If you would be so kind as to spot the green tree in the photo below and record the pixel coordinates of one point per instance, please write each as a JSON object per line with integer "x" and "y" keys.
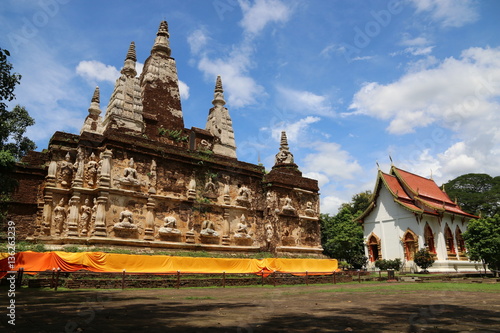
{"x": 342, "y": 238}
{"x": 476, "y": 193}
{"x": 482, "y": 239}
{"x": 13, "y": 124}
{"x": 423, "y": 259}
{"x": 359, "y": 203}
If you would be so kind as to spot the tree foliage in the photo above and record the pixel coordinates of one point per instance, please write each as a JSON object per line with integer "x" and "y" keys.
{"x": 359, "y": 203}
{"x": 476, "y": 193}
{"x": 342, "y": 238}
{"x": 423, "y": 259}
{"x": 13, "y": 124}
{"x": 482, "y": 239}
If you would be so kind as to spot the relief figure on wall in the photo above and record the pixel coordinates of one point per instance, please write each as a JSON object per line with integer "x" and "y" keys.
{"x": 242, "y": 228}
{"x": 130, "y": 175}
{"x": 66, "y": 171}
{"x": 208, "y": 229}
{"x": 243, "y": 198}
{"x": 91, "y": 171}
{"x": 85, "y": 217}
{"x": 169, "y": 227}
{"x": 59, "y": 216}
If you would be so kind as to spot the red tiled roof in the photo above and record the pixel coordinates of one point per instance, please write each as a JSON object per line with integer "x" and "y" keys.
{"x": 424, "y": 187}
{"x": 415, "y": 193}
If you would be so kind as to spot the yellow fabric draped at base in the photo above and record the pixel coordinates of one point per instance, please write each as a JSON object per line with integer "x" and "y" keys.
{"x": 112, "y": 262}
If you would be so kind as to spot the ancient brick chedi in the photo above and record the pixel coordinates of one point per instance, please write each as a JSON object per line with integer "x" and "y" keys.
{"x": 137, "y": 177}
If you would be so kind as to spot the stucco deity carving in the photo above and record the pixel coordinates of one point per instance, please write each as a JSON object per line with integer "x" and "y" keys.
{"x": 60, "y": 213}
{"x": 287, "y": 207}
{"x": 91, "y": 171}
{"x": 242, "y": 228}
{"x": 85, "y": 217}
{"x": 152, "y": 177}
{"x": 130, "y": 175}
{"x": 79, "y": 167}
{"x": 309, "y": 210}
{"x": 66, "y": 171}
{"x": 244, "y": 194}
{"x": 125, "y": 227}
{"x": 208, "y": 229}
{"x": 210, "y": 189}
{"x": 169, "y": 227}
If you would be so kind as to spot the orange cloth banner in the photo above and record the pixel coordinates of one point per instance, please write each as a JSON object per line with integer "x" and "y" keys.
{"x": 112, "y": 262}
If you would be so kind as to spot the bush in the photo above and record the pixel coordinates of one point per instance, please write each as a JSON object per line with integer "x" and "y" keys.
{"x": 423, "y": 259}
{"x": 385, "y": 264}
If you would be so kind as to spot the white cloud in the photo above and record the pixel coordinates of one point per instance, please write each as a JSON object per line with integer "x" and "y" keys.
{"x": 294, "y": 131}
{"x": 460, "y": 95}
{"x": 240, "y": 88}
{"x": 330, "y": 160}
{"x": 450, "y": 13}
{"x": 257, "y": 15}
{"x": 197, "y": 41}
{"x": 183, "y": 90}
{"x": 336, "y": 171}
{"x": 303, "y": 101}
{"x": 417, "y": 41}
{"x": 96, "y": 70}
{"x": 48, "y": 93}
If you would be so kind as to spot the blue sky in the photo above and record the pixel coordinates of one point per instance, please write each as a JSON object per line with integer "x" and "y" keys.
{"x": 352, "y": 82}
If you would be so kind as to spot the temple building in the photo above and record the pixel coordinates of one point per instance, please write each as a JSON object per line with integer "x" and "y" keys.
{"x": 408, "y": 212}
{"x": 136, "y": 177}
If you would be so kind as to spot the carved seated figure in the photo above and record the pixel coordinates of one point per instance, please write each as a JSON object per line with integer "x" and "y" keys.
{"x": 243, "y": 198}
{"x": 241, "y": 229}
{"x": 288, "y": 208}
{"x": 130, "y": 175}
{"x": 210, "y": 190}
{"x": 170, "y": 227}
{"x": 126, "y": 223}
{"x": 309, "y": 210}
{"x": 208, "y": 229}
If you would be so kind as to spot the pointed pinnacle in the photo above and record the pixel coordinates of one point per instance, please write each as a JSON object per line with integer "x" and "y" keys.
{"x": 218, "y": 85}
{"x": 96, "y": 96}
{"x": 131, "y": 52}
{"x": 163, "y": 29}
{"x": 284, "y": 140}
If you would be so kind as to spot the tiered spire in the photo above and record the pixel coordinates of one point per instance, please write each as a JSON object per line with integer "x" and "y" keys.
{"x": 160, "y": 88}
{"x": 93, "y": 121}
{"x": 130, "y": 60}
{"x": 220, "y": 125}
{"x": 162, "y": 43}
{"x": 125, "y": 105}
{"x": 284, "y": 156}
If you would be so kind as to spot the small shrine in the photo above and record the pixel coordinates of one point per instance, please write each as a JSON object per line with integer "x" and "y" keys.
{"x": 137, "y": 177}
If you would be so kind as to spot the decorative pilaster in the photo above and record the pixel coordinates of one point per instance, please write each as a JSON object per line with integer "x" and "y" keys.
{"x": 100, "y": 218}
{"x": 150, "y": 220}
{"x": 226, "y": 239}
{"x": 105, "y": 176}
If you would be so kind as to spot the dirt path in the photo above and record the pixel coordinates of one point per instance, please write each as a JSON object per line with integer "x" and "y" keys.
{"x": 326, "y": 308}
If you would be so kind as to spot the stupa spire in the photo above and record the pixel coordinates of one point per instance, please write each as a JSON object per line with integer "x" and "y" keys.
{"x": 129, "y": 66}
{"x": 284, "y": 156}
{"x": 93, "y": 120}
{"x": 220, "y": 125}
{"x": 218, "y": 93}
{"x": 162, "y": 43}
